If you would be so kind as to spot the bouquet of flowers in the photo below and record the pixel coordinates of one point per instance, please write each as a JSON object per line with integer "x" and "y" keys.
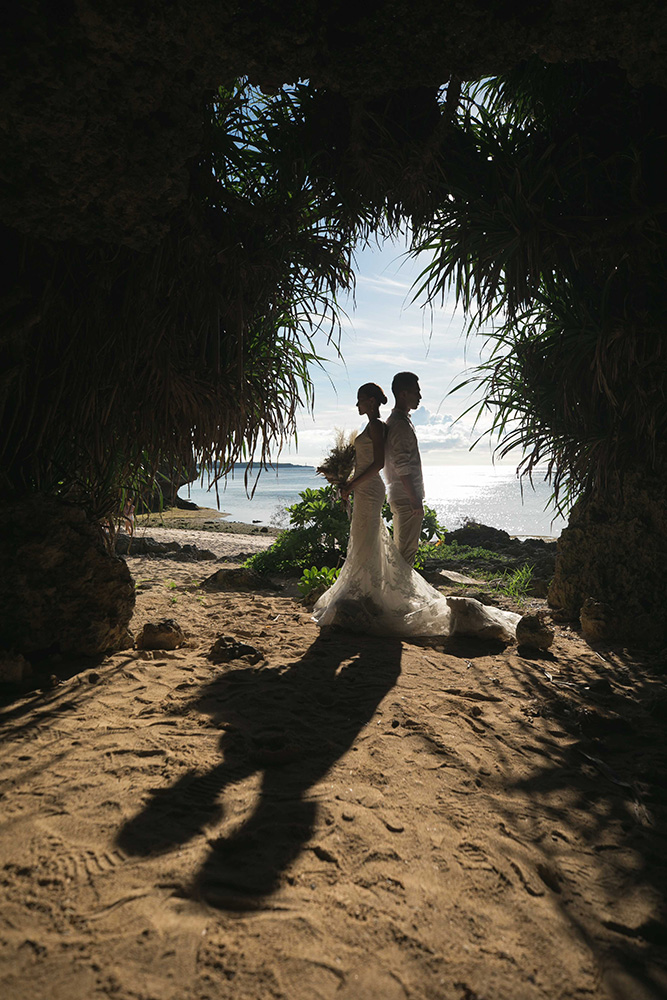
{"x": 338, "y": 465}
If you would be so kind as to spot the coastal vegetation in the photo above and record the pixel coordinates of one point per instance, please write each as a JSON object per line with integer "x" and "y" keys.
{"x": 315, "y": 581}
{"x": 319, "y": 531}
{"x": 552, "y": 239}
{"x": 200, "y": 345}
{"x": 317, "y": 536}
{"x": 314, "y": 546}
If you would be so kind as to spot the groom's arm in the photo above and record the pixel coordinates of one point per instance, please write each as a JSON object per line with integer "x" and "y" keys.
{"x": 408, "y": 485}
{"x": 404, "y": 450}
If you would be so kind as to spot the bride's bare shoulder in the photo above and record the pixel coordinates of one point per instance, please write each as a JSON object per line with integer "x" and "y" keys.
{"x": 376, "y": 429}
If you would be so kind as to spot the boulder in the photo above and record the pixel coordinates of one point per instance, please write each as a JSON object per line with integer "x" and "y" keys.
{"x": 190, "y": 553}
{"x": 238, "y": 578}
{"x": 613, "y": 553}
{"x": 451, "y": 576}
{"x": 533, "y": 632}
{"x": 475, "y": 534}
{"x": 165, "y": 634}
{"x": 144, "y": 545}
{"x": 132, "y": 545}
{"x": 61, "y": 590}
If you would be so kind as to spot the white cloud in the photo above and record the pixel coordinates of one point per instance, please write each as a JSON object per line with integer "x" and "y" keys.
{"x": 382, "y": 333}
{"x": 424, "y": 417}
{"x": 440, "y": 430}
{"x": 442, "y": 439}
{"x": 384, "y": 285}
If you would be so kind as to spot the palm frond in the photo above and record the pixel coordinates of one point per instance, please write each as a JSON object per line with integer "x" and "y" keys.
{"x": 552, "y": 238}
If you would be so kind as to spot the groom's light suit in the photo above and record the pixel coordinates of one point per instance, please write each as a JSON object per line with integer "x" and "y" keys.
{"x": 402, "y": 459}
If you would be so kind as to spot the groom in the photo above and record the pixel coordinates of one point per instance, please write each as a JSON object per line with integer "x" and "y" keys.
{"x": 403, "y": 467}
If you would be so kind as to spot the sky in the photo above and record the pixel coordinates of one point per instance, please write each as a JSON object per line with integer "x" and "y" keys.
{"x": 386, "y": 332}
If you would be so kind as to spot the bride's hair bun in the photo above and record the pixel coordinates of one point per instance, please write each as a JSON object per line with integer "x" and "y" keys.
{"x": 373, "y": 390}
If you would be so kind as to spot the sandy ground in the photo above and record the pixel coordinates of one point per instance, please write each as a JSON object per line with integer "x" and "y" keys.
{"x": 348, "y": 818}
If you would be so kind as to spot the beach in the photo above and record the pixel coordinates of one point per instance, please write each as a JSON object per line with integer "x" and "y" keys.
{"x": 326, "y": 815}
{"x": 206, "y": 529}
{"x": 200, "y": 519}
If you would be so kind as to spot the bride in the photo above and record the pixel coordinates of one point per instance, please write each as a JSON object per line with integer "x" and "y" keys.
{"x": 377, "y": 591}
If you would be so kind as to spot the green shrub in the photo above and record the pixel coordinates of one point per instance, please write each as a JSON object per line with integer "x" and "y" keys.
{"x": 517, "y": 584}
{"x": 319, "y": 532}
{"x": 318, "y": 535}
{"x": 315, "y": 581}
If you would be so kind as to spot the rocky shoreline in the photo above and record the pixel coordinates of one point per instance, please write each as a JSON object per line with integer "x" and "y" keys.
{"x": 192, "y": 544}
{"x": 189, "y": 537}
{"x": 166, "y": 533}
{"x": 539, "y": 553}
{"x": 202, "y": 519}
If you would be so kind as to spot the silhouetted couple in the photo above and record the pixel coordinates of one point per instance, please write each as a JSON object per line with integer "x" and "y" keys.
{"x": 377, "y": 590}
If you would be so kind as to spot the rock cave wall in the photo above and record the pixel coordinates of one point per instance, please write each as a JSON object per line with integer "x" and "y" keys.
{"x": 100, "y": 107}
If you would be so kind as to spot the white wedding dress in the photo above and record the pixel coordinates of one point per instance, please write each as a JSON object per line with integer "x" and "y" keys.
{"x": 378, "y": 592}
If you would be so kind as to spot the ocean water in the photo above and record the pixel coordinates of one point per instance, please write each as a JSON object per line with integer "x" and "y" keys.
{"x": 488, "y": 494}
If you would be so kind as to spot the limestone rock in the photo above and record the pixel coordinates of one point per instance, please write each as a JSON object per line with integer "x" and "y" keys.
{"x": 471, "y": 617}
{"x": 65, "y": 142}
{"x": 597, "y": 621}
{"x": 226, "y": 648}
{"x": 451, "y": 576}
{"x": 14, "y": 668}
{"x": 533, "y": 632}
{"x": 238, "y": 578}
{"x": 169, "y": 478}
{"x": 126, "y": 641}
{"x": 144, "y": 545}
{"x": 133, "y": 545}
{"x": 60, "y": 590}
{"x": 478, "y": 534}
{"x": 191, "y": 553}
{"x": 165, "y": 634}
{"x": 614, "y": 551}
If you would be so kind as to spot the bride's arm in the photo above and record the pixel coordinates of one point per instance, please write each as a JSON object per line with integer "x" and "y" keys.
{"x": 376, "y": 432}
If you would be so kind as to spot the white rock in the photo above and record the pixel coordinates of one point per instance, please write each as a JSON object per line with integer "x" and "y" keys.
{"x": 471, "y": 617}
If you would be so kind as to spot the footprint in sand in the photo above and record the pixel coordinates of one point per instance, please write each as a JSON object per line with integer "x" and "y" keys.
{"x": 369, "y": 982}
{"x": 471, "y": 856}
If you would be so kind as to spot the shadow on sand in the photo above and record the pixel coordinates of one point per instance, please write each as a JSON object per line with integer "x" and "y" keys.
{"x": 269, "y": 727}
{"x": 597, "y": 785}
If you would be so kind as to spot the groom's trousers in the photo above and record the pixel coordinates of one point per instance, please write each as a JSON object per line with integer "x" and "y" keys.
{"x": 407, "y": 527}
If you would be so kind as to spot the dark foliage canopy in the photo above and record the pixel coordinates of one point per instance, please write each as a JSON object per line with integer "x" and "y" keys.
{"x": 553, "y": 236}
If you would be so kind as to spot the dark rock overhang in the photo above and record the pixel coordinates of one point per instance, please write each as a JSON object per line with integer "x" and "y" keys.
{"x": 100, "y": 111}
